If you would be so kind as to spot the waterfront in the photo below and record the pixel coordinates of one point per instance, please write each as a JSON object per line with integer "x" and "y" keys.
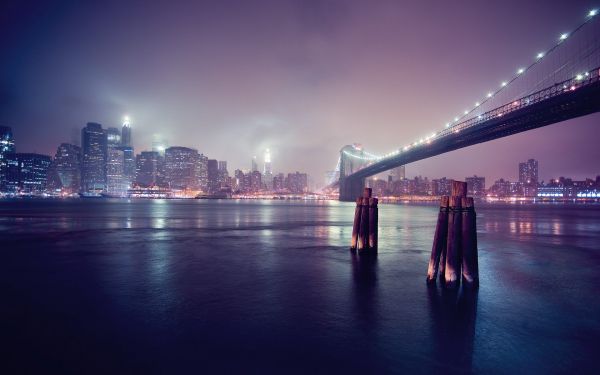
{"x": 270, "y": 286}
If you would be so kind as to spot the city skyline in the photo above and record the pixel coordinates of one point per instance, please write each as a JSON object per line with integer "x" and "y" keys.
{"x": 296, "y": 93}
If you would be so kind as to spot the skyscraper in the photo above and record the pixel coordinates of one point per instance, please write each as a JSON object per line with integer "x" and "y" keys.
{"x": 528, "y": 177}
{"x": 528, "y": 172}
{"x": 475, "y": 185}
{"x": 7, "y": 145}
{"x": 223, "y": 174}
{"x": 267, "y": 171}
{"x": 181, "y": 168}
{"x": 147, "y": 168}
{"x": 254, "y": 164}
{"x": 113, "y": 137}
{"x": 203, "y": 172}
{"x": 213, "y": 176}
{"x": 116, "y": 184}
{"x": 94, "y": 151}
{"x": 399, "y": 173}
{"x": 31, "y": 172}
{"x": 126, "y": 133}
{"x": 65, "y": 171}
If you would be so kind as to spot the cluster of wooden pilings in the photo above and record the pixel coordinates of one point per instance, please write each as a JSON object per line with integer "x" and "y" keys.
{"x": 364, "y": 229}
{"x": 454, "y": 248}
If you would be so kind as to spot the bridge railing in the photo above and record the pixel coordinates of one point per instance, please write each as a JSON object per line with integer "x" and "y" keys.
{"x": 560, "y": 88}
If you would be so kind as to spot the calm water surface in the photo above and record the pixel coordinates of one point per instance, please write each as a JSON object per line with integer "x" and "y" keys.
{"x": 270, "y": 287}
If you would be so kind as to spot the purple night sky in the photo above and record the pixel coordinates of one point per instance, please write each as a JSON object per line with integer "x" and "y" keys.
{"x": 303, "y": 78}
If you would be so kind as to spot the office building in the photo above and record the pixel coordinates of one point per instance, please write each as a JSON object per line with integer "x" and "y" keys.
{"x": 7, "y": 146}
{"x": 94, "y": 153}
{"x": 27, "y": 173}
{"x": 213, "y": 176}
{"x": 181, "y": 168}
{"x": 147, "y": 169}
{"x": 64, "y": 175}
{"x": 475, "y": 186}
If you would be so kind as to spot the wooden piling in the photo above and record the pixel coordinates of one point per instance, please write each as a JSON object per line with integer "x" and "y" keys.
{"x": 470, "y": 267}
{"x": 373, "y": 223}
{"x": 439, "y": 242}
{"x": 356, "y": 224}
{"x": 459, "y": 189}
{"x": 453, "y": 256}
{"x": 363, "y": 232}
{"x": 367, "y": 193}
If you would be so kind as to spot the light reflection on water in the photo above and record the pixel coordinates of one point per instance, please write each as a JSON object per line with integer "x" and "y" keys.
{"x": 272, "y": 285}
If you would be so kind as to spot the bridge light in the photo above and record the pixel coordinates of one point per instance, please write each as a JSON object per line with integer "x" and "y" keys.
{"x": 477, "y": 104}
{"x": 540, "y": 55}
{"x": 593, "y": 12}
{"x": 489, "y": 95}
{"x": 503, "y": 84}
{"x": 579, "y": 77}
{"x": 447, "y": 124}
{"x": 563, "y": 36}
{"x": 479, "y": 117}
{"x": 456, "y": 119}
{"x": 521, "y": 71}
{"x": 466, "y": 112}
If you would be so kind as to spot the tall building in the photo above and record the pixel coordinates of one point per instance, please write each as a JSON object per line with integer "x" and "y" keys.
{"x": 223, "y": 174}
{"x": 297, "y": 182}
{"x": 255, "y": 181}
{"x": 181, "y": 168}
{"x": 94, "y": 151}
{"x": 528, "y": 172}
{"x": 28, "y": 172}
{"x": 65, "y": 171}
{"x": 7, "y": 146}
{"x": 147, "y": 168}
{"x": 528, "y": 177}
{"x": 475, "y": 185}
{"x": 159, "y": 145}
{"x": 126, "y": 133}
{"x": 267, "y": 171}
{"x": 203, "y": 172}
{"x": 113, "y": 137}
{"x": 129, "y": 165}
{"x": 279, "y": 182}
{"x": 213, "y": 176}
{"x": 254, "y": 164}
{"x": 399, "y": 173}
{"x": 116, "y": 183}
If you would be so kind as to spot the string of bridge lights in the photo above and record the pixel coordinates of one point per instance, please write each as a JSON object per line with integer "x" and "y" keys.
{"x": 503, "y": 85}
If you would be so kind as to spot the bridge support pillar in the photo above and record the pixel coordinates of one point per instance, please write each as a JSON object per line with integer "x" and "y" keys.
{"x": 350, "y": 188}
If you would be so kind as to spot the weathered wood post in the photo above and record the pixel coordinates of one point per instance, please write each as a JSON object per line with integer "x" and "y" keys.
{"x": 356, "y": 224}
{"x": 452, "y": 270}
{"x": 470, "y": 266}
{"x": 363, "y": 232}
{"x": 439, "y": 243}
{"x": 373, "y": 223}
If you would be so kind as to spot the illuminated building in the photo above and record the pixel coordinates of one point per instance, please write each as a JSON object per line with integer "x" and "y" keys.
{"x": 94, "y": 151}
{"x": 203, "y": 172}
{"x": 126, "y": 133}
{"x": 213, "y": 176}
{"x": 7, "y": 145}
{"x": 116, "y": 184}
{"x": 297, "y": 183}
{"x": 181, "y": 168}
{"x": 254, "y": 164}
{"x": 267, "y": 171}
{"x": 27, "y": 173}
{"x": 65, "y": 170}
{"x": 475, "y": 185}
{"x": 147, "y": 168}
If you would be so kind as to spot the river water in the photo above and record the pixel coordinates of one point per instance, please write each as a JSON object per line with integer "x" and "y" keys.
{"x": 103, "y": 286}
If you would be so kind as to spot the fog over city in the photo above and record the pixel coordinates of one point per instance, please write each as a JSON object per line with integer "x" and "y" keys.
{"x": 302, "y": 78}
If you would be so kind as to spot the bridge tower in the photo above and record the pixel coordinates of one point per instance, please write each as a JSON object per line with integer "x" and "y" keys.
{"x": 351, "y": 160}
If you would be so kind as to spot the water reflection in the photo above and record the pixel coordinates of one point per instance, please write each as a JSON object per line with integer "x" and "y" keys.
{"x": 453, "y": 313}
{"x": 364, "y": 274}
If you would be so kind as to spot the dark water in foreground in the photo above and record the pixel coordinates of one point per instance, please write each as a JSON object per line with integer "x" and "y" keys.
{"x": 264, "y": 287}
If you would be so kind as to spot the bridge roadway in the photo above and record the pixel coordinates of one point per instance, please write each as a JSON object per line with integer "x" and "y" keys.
{"x": 563, "y": 101}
